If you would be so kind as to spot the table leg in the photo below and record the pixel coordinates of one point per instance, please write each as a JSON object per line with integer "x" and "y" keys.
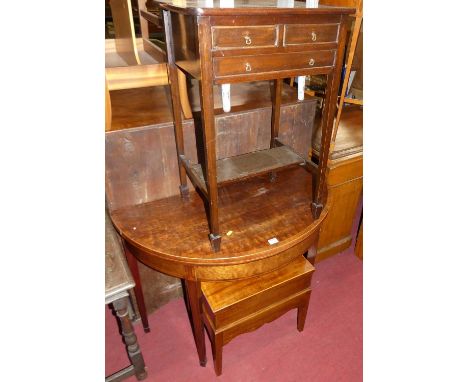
{"x": 275, "y": 117}
{"x": 194, "y": 296}
{"x": 133, "y": 349}
{"x": 133, "y": 265}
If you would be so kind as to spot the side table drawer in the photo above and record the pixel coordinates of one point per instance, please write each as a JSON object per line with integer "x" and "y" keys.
{"x": 310, "y": 34}
{"x": 245, "y": 37}
{"x": 228, "y": 66}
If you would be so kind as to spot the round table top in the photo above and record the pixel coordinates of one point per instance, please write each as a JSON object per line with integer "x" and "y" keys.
{"x": 258, "y": 219}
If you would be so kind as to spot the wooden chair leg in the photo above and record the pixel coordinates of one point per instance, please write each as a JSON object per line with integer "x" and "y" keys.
{"x": 133, "y": 265}
{"x": 302, "y": 312}
{"x": 217, "y": 349}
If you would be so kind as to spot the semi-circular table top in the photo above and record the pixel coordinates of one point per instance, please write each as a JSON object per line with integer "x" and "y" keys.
{"x": 263, "y": 223}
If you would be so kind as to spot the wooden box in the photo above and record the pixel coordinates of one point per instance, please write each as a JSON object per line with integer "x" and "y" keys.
{"x": 231, "y": 308}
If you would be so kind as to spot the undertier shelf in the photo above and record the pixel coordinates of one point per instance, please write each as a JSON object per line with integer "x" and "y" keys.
{"x": 248, "y": 165}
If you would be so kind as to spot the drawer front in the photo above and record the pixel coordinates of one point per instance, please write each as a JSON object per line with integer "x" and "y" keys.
{"x": 245, "y": 37}
{"x": 310, "y": 34}
{"x": 228, "y": 66}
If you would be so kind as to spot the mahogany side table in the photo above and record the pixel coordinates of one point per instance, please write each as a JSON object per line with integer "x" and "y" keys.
{"x": 226, "y": 42}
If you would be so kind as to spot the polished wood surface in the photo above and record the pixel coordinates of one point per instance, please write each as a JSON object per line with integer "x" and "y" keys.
{"x": 172, "y": 232}
{"x": 244, "y": 7}
{"x": 231, "y": 308}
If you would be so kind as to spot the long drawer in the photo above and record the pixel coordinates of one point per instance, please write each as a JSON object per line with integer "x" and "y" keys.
{"x": 228, "y": 66}
{"x": 300, "y": 34}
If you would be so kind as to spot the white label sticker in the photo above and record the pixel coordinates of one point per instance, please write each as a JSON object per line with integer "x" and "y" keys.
{"x": 273, "y": 241}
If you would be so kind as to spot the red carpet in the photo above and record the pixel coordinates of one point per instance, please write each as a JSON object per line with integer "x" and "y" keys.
{"x": 328, "y": 350}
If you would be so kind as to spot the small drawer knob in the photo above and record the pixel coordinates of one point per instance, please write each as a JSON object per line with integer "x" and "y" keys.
{"x": 311, "y": 62}
{"x": 314, "y": 36}
{"x": 248, "y": 68}
{"x": 248, "y": 40}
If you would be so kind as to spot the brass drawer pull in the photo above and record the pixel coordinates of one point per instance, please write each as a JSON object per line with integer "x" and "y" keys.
{"x": 311, "y": 62}
{"x": 314, "y": 36}
{"x": 248, "y": 40}
{"x": 248, "y": 68}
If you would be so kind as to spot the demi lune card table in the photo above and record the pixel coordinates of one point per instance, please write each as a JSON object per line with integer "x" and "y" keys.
{"x": 169, "y": 234}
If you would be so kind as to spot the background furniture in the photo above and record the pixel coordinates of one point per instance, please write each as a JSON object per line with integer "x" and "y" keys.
{"x": 132, "y": 62}
{"x": 118, "y": 283}
{"x": 346, "y": 147}
{"x": 357, "y": 4}
{"x": 231, "y": 308}
{"x": 345, "y": 179}
{"x": 215, "y": 46}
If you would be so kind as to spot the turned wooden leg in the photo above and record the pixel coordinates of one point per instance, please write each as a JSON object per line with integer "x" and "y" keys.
{"x": 302, "y": 312}
{"x": 194, "y": 293}
{"x": 133, "y": 350}
{"x": 217, "y": 350}
{"x": 133, "y": 265}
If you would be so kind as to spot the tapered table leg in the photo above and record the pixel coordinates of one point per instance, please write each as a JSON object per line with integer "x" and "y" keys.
{"x": 174, "y": 76}
{"x": 194, "y": 294}
{"x": 275, "y": 117}
{"x": 133, "y": 265}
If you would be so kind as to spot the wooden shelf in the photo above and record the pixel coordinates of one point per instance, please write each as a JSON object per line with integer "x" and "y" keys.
{"x": 249, "y": 165}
